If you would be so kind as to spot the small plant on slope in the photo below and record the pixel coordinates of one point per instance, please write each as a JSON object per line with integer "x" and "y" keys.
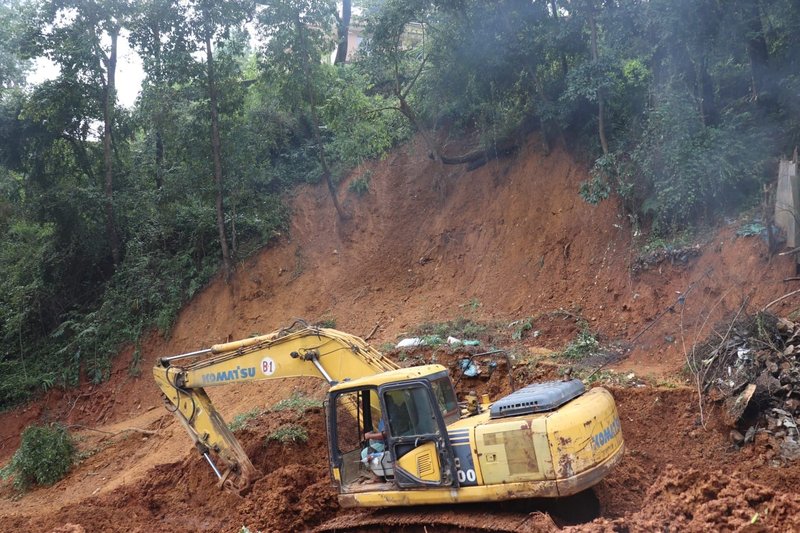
{"x": 44, "y": 456}
{"x": 290, "y": 433}
{"x": 584, "y": 344}
{"x": 297, "y": 403}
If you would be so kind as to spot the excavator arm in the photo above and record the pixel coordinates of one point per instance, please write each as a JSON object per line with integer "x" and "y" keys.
{"x": 308, "y": 352}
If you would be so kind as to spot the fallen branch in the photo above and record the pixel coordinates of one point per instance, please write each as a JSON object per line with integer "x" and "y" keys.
{"x": 115, "y": 433}
{"x": 75, "y": 401}
{"x": 773, "y": 302}
{"x": 717, "y": 351}
{"x": 691, "y": 362}
{"x": 371, "y": 333}
{"x": 481, "y": 156}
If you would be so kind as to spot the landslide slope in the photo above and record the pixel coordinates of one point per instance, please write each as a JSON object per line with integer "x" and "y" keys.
{"x": 427, "y": 243}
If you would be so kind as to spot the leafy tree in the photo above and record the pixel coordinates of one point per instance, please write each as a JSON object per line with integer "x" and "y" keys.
{"x": 209, "y": 22}
{"x": 12, "y": 65}
{"x": 298, "y": 36}
{"x": 159, "y": 31}
{"x": 395, "y": 62}
{"x": 74, "y": 34}
{"x": 475, "y": 65}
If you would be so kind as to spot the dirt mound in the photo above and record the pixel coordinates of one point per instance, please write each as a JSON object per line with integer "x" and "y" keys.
{"x": 294, "y": 494}
{"x": 697, "y": 500}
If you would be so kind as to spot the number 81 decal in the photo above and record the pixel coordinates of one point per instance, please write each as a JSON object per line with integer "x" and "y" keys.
{"x": 268, "y": 366}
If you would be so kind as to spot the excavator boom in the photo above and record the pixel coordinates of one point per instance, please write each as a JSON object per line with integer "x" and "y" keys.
{"x": 311, "y": 352}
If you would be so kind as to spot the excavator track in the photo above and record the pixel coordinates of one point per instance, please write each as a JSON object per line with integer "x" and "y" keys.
{"x": 517, "y": 516}
{"x": 437, "y": 520}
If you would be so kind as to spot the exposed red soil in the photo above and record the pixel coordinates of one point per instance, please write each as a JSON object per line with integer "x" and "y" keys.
{"x": 507, "y": 241}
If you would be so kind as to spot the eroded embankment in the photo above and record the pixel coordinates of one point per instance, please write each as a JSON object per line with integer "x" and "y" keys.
{"x": 508, "y": 242}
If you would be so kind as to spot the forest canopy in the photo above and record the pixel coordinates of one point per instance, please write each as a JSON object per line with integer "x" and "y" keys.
{"x": 111, "y": 218}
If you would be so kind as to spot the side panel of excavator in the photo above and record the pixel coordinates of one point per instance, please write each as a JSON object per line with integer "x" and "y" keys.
{"x": 586, "y": 433}
{"x": 565, "y": 445}
{"x": 551, "y": 454}
{"x": 514, "y": 449}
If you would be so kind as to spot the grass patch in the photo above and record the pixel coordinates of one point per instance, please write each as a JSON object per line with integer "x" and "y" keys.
{"x": 584, "y": 344}
{"x": 45, "y": 455}
{"x": 462, "y": 328}
{"x": 329, "y": 323}
{"x": 290, "y": 433}
{"x": 240, "y": 421}
{"x": 386, "y": 347}
{"x": 520, "y": 327}
{"x": 473, "y": 304}
{"x": 657, "y": 243}
{"x": 360, "y": 185}
{"x": 432, "y": 340}
{"x": 297, "y": 403}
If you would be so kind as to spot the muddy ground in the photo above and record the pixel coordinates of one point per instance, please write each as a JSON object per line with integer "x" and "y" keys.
{"x": 676, "y": 474}
{"x": 507, "y": 242}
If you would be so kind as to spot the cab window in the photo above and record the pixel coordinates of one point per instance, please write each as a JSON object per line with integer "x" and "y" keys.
{"x": 446, "y": 399}
{"x": 357, "y": 412}
{"x": 410, "y": 412}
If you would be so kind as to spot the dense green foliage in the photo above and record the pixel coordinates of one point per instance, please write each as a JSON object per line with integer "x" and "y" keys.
{"x": 111, "y": 218}
{"x": 44, "y": 456}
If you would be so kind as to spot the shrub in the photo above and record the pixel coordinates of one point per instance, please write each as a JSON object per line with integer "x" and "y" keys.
{"x": 520, "y": 328}
{"x": 44, "y": 456}
{"x": 298, "y": 403}
{"x": 290, "y": 433}
{"x": 584, "y": 344}
{"x": 240, "y": 421}
{"x": 360, "y": 185}
{"x": 329, "y": 323}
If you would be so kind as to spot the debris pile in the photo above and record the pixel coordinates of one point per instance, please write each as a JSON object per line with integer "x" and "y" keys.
{"x": 674, "y": 255}
{"x": 697, "y": 500}
{"x": 752, "y": 365}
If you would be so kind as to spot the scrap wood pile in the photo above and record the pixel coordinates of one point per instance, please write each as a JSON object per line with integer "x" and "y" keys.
{"x": 752, "y": 366}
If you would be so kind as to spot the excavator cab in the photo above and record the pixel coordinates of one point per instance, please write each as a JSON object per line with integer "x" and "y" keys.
{"x": 411, "y": 412}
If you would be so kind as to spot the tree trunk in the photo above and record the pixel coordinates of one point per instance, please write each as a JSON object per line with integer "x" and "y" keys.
{"x": 411, "y": 115}
{"x": 109, "y": 100}
{"x": 159, "y": 159}
{"x": 601, "y": 118}
{"x": 757, "y": 50}
{"x": 343, "y": 31}
{"x": 557, "y": 18}
{"x": 159, "y": 118}
{"x": 311, "y": 98}
{"x": 216, "y": 153}
{"x": 708, "y": 107}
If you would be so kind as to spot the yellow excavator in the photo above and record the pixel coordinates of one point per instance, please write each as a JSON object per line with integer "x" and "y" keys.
{"x": 398, "y": 436}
